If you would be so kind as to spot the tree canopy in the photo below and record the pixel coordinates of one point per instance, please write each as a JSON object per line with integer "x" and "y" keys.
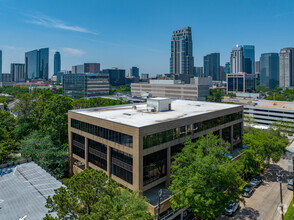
{"x": 92, "y": 195}
{"x": 215, "y": 95}
{"x": 204, "y": 178}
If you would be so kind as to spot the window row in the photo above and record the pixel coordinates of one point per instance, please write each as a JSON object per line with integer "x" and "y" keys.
{"x": 122, "y": 165}
{"x": 173, "y": 134}
{"x": 107, "y": 134}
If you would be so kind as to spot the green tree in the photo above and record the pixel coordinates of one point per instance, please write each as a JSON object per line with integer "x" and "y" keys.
{"x": 54, "y": 120}
{"x": 41, "y": 149}
{"x": 215, "y": 95}
{"x": 204, "y": 178}
{"x": 92, "y": 195}
{"x": 268, "y": 145}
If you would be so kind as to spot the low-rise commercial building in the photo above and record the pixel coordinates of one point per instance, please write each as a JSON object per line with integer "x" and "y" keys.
{"x": 241, "y": 82}
{"x": 196, "y": 90}
{"x": 265, "y": 112}
{"x": 135, "y": 144}
{"x": 85, "y": 85}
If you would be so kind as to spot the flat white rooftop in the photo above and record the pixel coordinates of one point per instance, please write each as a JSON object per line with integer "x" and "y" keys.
{"x": 139, "y": 117}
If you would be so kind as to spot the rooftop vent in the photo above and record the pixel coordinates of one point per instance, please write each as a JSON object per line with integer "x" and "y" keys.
{"x": 158, "y": 104}
{"x": 134, "y": 107}
{"x": 128, "y": 114}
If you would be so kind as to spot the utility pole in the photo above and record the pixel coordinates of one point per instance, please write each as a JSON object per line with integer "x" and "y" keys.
{"x": 159, "y": 196}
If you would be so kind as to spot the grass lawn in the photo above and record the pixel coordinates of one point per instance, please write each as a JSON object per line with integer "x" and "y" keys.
{"x": 289, "y": 215}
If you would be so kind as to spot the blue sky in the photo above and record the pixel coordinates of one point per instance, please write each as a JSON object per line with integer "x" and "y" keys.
{"x": 125, "y": 33}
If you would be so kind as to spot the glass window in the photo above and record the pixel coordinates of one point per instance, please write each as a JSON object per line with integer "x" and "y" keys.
{"x": 122, "y": 165}
{"x": 78, "y": 145}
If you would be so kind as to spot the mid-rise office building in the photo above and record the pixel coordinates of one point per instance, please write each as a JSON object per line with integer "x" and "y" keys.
{"x": 227, "y": 70}
{"x": 198, "y": 71}
{"x": 286, "y": 67}
{"x": 237, "y": 59}
{"x": 86, "y": 68}
{"x": 257, "y": 67}
{"x": 17, "y": 71}
{"x": 135, "y": 144}
{"x": 117, "y": 77}
{"x": 57, "y": 63}
{"x": 134, "y": 72}
{"x": 241, "y": 82}
{"x": 249, "y": 59}
{"x": 37, "y": 64}
{"x": 211, "y": 66}
{"x": 196, "y": 90}
{"x": 182, "y": 60}
{"x": 6, "y": 80}
{"x": 84, "y": 85}
{"x": 269, "y": 70}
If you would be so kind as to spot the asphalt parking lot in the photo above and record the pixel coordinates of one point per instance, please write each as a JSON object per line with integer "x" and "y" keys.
{"x": 264, "y": 202}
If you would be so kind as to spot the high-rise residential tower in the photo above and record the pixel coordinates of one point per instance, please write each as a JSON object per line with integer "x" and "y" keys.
{"x": 269, "y": 70}
{"x": 134, "y": 72}
{"x": 182, "y": 60}
{"x": 237, "y": 59}
{"x": 17, "y": 72}
{"x": 57, "y": 63}
{"x": 286, "y": 67}
{"x": 249, "y": 59}
{"x": 37, "y": 64}
{"x": 211, "y": 66}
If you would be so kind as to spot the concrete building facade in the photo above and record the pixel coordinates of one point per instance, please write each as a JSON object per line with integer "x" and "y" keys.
{"x": 286, "y": 67}
{"x": 237, "y": 59}
{"x": 196, "y": 90}
{"x": 17, "y": 71}
{"x": 135, "y": 144}
{"x": 241, "y": 82}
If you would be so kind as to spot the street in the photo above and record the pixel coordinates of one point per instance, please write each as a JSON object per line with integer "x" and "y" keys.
{"x": 264, "y": 202}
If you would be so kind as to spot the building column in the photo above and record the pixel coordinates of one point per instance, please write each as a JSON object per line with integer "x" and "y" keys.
{"x": 70, "y": 154}
{"x": 168, "y": 162}
{"x": 220, "y": 133}
{"x": 232, "y": 137}
{"x": 109, "y": 161}
{"x": 86, "y": 153}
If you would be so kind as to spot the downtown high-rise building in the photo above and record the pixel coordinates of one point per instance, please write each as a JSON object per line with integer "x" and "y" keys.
{"x": 57, "y": 63}
{"x": 227, "y": 70}
{"x": 249, "y": 59}
{"x": 286, "y": 67}
{"x": 182, "y": 60}
{"x": 269, "y": 70}
{"x": 37, "y": 64}
{"x": 211, "y": 66}
{"x": 17, "y": 72}
{"x": 237, "y": 59}
{"x": 134, "y": 72}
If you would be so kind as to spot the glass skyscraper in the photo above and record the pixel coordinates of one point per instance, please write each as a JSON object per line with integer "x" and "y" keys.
{"x": 269, "y": 70}
{"x": 134, "y": 72}
{"x": 57, "y": 63}
{"x": 182, "y": 60}
{"x": 37, "y": 64}
{"x": 249, "y": 59}
{"x": 211, "y": 64}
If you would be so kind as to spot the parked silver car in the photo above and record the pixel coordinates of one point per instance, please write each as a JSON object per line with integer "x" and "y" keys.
{"x": 290, "y": 184}
{"x": 232, "y": 208}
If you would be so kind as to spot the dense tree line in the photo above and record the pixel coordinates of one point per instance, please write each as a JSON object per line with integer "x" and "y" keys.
{"x": 276, "y": 94}
{"x": 40, "y": 129}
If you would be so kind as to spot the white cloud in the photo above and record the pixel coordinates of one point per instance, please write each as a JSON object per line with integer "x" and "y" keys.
{"x": 47, "y": 21}
{"x": 73, "y": 51}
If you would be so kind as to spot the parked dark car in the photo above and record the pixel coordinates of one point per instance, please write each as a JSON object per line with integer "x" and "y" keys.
{"x": 290, "y": 184}
{"x": 248, "y": 190}
{"x": 232, "y": 208}
{"x": 256, "y": 181}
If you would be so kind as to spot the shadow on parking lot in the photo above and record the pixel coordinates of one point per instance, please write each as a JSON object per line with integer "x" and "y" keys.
{"x": 246, "y": 213}
{"x": 271, "y": 171}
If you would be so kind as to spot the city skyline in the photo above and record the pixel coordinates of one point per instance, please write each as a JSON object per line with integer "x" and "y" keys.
{"x": 94, "y": 37}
